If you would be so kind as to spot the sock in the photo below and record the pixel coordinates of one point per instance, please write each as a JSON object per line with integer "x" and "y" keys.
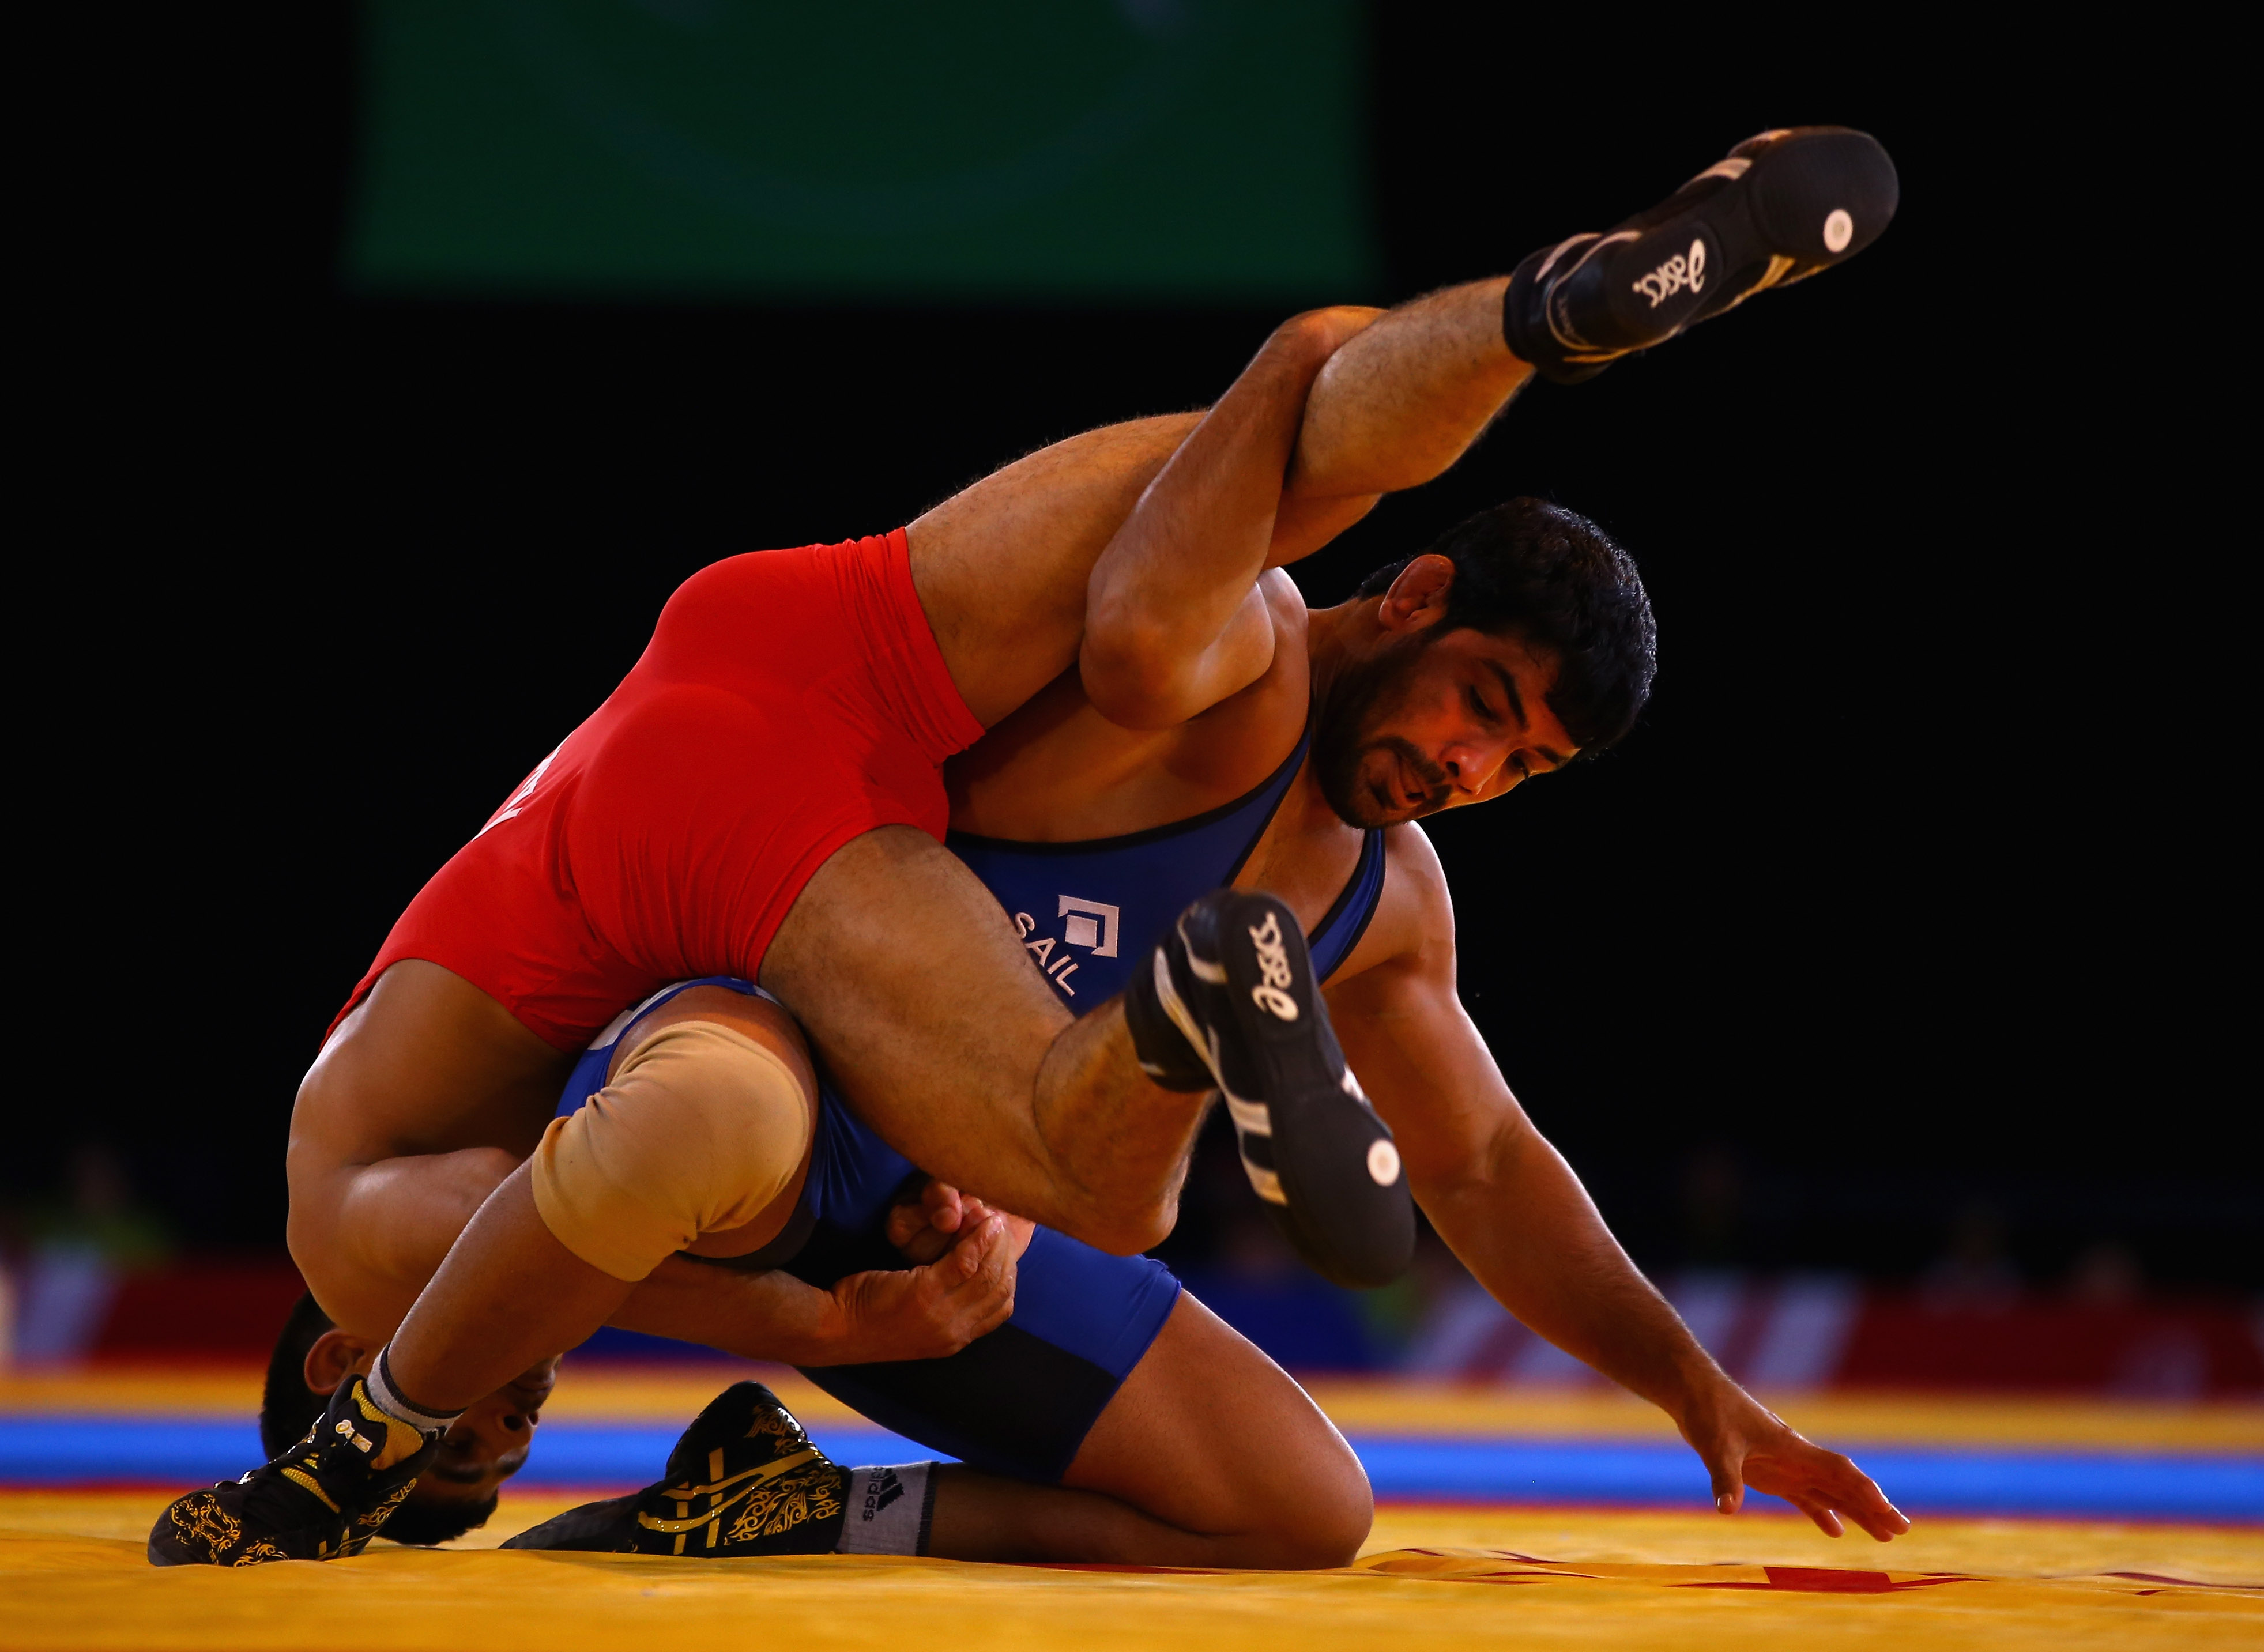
{"x": 889, "y": 1510}
{"x": 419, "y": 1424}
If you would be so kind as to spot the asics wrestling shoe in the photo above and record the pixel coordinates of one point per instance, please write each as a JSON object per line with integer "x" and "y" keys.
{"x": 1781, "y": 207}
{"x": 1235, "y": 980}
{"x": 743, "y": 1480}
{"x": 319, "y": 1501}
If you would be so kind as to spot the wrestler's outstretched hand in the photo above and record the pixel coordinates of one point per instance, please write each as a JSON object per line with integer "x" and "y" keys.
{"x": 1744, "y": 1443}
{"x": 922, "y": 1227}
{"x": 932, "y": 1311}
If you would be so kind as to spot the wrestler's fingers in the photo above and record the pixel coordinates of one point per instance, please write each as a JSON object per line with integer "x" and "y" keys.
{"x": 1830, "y": 1481}
{"x": 994, "y": 1280}
{"x": 978, "y": 1303}
{"x": 945, "y": 1207}
{"x": 979, "y": 1247}
{"x": 1820, "y": 1512}
{"x": 1729, "y": 1483}
{"x": 1001, "y": 1265}
{"x": 906, "y": 1223}
{"x": 1833, "y": 1477}
{"x": 994, "y": 1314}
{"x": 1871, "y": 1511}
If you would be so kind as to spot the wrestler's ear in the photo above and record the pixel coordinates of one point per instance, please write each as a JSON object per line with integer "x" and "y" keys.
{"x": 336, "y": 1353}
{"x": 1418, "y": 598}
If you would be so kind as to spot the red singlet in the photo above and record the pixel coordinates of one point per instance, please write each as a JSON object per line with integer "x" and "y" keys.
{"x": 788, "y": 702}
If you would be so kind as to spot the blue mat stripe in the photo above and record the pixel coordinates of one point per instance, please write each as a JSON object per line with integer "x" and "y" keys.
{"x": 52, "y": 1450}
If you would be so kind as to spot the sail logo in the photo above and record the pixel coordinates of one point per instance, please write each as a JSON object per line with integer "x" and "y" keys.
{"x": 1090, "y": 924}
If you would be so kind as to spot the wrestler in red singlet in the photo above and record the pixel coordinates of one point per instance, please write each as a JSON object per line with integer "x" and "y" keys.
{"x": 788, "y": 702}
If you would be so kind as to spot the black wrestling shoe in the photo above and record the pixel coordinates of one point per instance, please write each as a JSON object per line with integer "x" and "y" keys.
{"x": 1782, "y": 206}
{"x": 1234, "y": 977}
{"x": 744, "y": 1480}
{"x": 319, "y": 1501}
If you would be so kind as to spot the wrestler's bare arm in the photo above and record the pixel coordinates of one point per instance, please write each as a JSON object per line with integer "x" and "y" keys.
{"x": 1001, "y": 565}
{"x": 1173, "y": 620}
{"x": 928, "y": 1312}
{"x": 395, "y": 1144}
{"x": 1348, "y": 404}
{"x": 1341, "y": 407}
{"x": 1511, "y": 1209}
{"x": 400, "y": 1216}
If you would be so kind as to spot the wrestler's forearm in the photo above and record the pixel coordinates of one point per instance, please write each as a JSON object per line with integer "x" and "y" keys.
{"x": 1403, "y": 400}
{"x": 928, "y": 1312}
{"x": 1504, "y": 1199}
{"x": 766, "y": 1315}
{"x": 1172, "y": 621}
{"x": 1527, "y": 1229}
{"x": 1001, "y": 567}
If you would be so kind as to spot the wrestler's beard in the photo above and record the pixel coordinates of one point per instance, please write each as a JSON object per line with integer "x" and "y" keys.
{"x": 1361, "y": 697}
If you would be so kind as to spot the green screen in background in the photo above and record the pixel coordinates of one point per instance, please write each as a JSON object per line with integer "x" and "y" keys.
{"x": 1014, "y": 148}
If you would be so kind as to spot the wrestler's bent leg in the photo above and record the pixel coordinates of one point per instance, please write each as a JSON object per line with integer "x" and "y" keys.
{"x": 902, "y": 969}
{"x": 699, "y": 1140}
{"x": 700, "y": 1137}
{"x": 1204, "y": 1454}
{"x": 1115, "y": 1419}
{"x": 1209, "y": 1455}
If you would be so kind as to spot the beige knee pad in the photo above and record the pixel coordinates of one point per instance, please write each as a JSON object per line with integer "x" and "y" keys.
{"x": 701, "y": 1128}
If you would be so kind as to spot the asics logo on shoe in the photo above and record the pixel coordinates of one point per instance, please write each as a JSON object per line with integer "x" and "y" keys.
{"x": 1683, "y": 269}
{"x": 1274, "y": 964}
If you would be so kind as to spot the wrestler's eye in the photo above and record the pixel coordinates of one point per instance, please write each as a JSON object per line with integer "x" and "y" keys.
{"x": 1478, "y": 705}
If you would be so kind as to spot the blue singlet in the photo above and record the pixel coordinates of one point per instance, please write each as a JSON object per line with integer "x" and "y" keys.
{"x": 1088, "y": 911}
{"x": 1020, "y": 1401}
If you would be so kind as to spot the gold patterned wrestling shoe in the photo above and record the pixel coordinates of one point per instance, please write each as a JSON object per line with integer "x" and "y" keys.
{"x": 744, "y": 1480}
{"x": 319, "y": 1501}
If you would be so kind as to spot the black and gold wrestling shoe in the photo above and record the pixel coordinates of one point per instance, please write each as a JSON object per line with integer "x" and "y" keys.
{"x": 744, "y": 1480}
{"x": 1235, "y": 980}
{"x": 1778, "y": 209}
{"x": 319, "y": 1501}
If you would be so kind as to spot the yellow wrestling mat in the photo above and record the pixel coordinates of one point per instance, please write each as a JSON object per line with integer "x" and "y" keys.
{"x": 72, "y": 1576}
{"x": 72, "y": 1573}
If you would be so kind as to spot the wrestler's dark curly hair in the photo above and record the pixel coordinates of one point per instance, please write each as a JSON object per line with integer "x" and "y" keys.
{"x": 1557, "y": 581}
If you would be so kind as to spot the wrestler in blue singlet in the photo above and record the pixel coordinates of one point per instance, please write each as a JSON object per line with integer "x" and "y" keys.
{"x": 1020, "y": 1401}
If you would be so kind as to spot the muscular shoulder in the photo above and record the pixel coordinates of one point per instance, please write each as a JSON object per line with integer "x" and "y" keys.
{"x": 1285, "y": 604}
{"x": 1414, "y": 922}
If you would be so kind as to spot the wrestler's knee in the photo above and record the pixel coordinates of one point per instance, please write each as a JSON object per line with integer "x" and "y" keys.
{"x": 700, "y": 1130}
{"x": 1306, "y": 1505}
{"x": 1326, "y": 1524}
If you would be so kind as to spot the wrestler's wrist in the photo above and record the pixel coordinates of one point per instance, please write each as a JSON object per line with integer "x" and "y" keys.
{"x": 1697, "y": 1391}
{"x": 839, "y": 1326}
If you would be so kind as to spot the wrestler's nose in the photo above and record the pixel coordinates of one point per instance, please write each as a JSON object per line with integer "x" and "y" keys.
{"x": 1469, "y": 768}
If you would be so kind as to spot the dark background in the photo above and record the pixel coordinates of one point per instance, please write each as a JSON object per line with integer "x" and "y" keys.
{"x": 1910, "y": 910}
